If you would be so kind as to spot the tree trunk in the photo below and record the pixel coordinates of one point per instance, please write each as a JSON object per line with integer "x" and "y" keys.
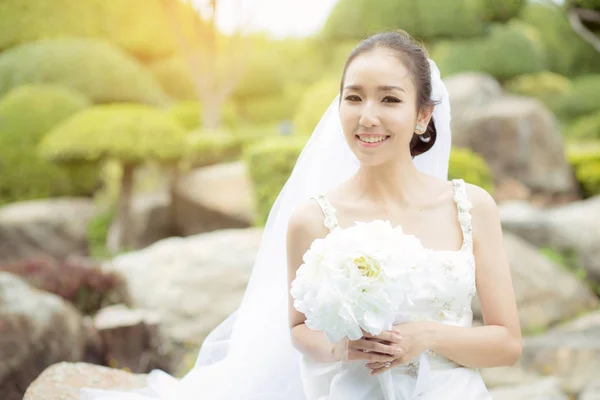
{"x": 211, "y": 114}
{"x": 124, "y": 207}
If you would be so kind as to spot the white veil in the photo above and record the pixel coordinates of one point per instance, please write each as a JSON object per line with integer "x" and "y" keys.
{"x": 249, "y": 355}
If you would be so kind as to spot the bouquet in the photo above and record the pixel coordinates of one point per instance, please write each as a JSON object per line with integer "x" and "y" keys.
{"x": 357, "y": 279}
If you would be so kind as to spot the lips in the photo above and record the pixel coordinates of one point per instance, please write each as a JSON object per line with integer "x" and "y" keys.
{"x": 369, "y": 138}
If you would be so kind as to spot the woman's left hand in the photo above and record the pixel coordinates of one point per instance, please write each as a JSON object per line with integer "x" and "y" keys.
{"x": 416, "y": 337}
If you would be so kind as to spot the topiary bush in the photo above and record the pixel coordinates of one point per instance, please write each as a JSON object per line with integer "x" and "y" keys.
{"x": 583, "y": 98}
{"x": 214, "y": 147}
{"x": 508, "y": 51}
{"x": 585, "y": 128}
{"x": 545, "y": 86}
{"x": 173, "y": 75}
{"x": 585, "y": 159}
{"x": 99, "y": 70}
{"x": 470, "y": 166}
{"x": 316, "y": 99}
{"x": 78, "y": 281}
{"x": 189, "y": 115}
{"x": 26, "y": 114}
{"x": 270, "y": 164}
{"x": 501, "y": 11}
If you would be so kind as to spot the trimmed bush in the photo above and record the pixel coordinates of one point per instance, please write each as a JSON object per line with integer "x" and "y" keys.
{"x": 544, "y": 86}
{"x": 586, "y": 128}
{"x": 189, "y": 115}
{"x": 99, "y": 70}
{"x": 467, "y": 165}
{"x": 174, "y": 77}
{"x": 215, "y": 147}
{"x": 26, "y": 114}
{"x": 270, "y": 164}
{"x": 508, "y": 51}
{"x": 317, "y": 98}
{"x": 582, "y": 99}
{"x": 138, "y": 26}
{"x": 585, "y": 159}
{"x": 501, "y": 11}
{"x": 78, "y": 281}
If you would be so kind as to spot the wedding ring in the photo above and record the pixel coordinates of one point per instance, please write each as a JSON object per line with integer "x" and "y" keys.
{"x": 388, "y": 364}
{"x": 366, "y": 351}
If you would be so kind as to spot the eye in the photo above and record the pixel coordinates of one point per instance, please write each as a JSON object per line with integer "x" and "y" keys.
{"x": 352, "y": 97}
{"x": 391, "y": 99}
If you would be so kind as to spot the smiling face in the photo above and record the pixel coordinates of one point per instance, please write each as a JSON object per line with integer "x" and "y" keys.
{"x": 378, "y": 107}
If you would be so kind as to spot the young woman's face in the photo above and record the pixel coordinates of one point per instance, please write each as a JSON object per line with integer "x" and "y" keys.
{"x": 378, "y": 107}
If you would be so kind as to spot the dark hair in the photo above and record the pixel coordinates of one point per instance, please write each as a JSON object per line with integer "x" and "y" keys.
{"x": 414, "y": 57}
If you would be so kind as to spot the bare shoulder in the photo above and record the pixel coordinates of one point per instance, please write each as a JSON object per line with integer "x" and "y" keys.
{"x": 482, "y": 201}
{"x": 306, "y": 222}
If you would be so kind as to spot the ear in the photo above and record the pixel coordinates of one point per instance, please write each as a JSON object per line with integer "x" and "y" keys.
{"x": 424, "y": 116}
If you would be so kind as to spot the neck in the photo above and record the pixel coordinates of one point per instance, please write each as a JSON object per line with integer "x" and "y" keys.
{"x": 397, "y": 182}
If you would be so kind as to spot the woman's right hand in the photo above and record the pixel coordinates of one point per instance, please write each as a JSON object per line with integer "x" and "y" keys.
{"x": 384, "y": 348}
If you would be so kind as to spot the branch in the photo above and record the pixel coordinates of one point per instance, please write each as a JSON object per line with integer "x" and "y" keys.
{"x": 581, "y": 30}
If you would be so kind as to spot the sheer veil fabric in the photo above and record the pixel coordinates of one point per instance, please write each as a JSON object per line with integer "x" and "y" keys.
{"x": 250, "y": 355}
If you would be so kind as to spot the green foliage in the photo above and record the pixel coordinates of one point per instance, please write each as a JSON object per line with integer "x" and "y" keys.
{"x": 130, "y": 133}
{"x": 214, "y": 147}
{"x": 587, "y": 4}
{"x": 138, "y": 26}
{"x": 97, "y": 233}
{"x": 583, "y": 98}
{"x": 501, "y": 11}
{"x": 424, "y": 19}
{"x": 270, "y": 164}
{"x": 313, "y": 104}
{"x": 26, "y": 114}
{"x": 189, "y": 115}
{"x": 566, "y": 53}
{"x": 571, "y": 261}
{"x": 585, "y": 159}
{"x": 545, "y": 86}
{"x": 586, "y": 128}
{"x": 509, "y": 51}
{"x": 470, "y": 166}
{"x": 97, "y": 69}
{"x": 174, "y": 77}
{"x": 78, "y": 281}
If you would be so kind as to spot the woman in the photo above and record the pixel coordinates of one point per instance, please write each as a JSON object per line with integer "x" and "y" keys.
{"x": 380, "y": 151}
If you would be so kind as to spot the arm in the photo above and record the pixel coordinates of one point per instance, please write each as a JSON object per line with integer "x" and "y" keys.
{"x": 498, "y": 343}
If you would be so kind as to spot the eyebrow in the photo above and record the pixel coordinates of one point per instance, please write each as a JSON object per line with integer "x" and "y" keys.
{"x": 385, "y": 88}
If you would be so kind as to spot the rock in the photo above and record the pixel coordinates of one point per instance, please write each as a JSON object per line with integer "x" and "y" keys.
{"x": 510, "y": 190}
{"x": 571, "y": 352}
{"x": 508, "y": 376}
{"x": 567, "y": 228}
{"x": 37, "y": 329}
{"x": 542, "y": 389}
{"x": 55, "y": 227}
{"x": 151, "y": 220}
{"x": 591, "y": 392}
{"x": 519, "y": 138}
{"x": 62, "y": 381}
{"x": 546, "y": 293}
{"x": 469, "y": 91}
{"x": 130, "y": 339}
{"x": 211, "y": 198}
{"x": 196, "y": 282}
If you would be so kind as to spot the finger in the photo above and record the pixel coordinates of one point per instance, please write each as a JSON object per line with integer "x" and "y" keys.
{"x": 389, "y": 336}
{"x": 371, "y": 357}
{"x": 377, "y": 347}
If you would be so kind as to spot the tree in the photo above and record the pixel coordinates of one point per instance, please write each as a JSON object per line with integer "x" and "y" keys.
{"x": 216, "y": 61}
{"x": 584, "y": 17}
{"x": 129, "y": 133}
{"x": 97, "y": 69}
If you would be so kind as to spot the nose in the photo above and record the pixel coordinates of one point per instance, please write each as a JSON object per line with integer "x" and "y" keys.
{"x": 368, "y": 115}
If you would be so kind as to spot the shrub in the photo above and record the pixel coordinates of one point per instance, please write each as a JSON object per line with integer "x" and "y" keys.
{"x": 586, "y": 162}
{"x": 467, "y": 165}
{"x": 270, "y": 164}
{"x": 501, "y": 11}
{"x": 174, "y": 77}
{"x": 314, "y": 102}
{"x": 78, "y": 281}
{"x": 581, "y": 99}
{"x": 507, "y": 52}
{"x": 586, "y": 128}
{"x": 544, "y": 86}
{"x": 97, "y": 69}
{"x": 26, "y": 114}
{"x": 97, "y": 232}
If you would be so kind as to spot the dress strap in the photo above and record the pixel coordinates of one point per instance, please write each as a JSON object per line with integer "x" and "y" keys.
{"x": 330, "y": 221}
{"x": 464, "y": 215}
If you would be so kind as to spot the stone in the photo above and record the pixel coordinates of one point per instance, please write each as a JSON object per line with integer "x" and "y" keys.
{"x": 541, "y": 389}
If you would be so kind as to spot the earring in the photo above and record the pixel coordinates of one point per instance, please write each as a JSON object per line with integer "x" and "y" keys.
{"x": 420, "y": 129}
{"x": 425, "y": 139}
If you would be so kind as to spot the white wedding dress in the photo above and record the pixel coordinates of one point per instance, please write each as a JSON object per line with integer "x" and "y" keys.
{"x": 444, "y": 296}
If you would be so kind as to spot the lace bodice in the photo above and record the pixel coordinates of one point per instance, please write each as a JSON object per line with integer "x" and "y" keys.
{"x": 445, "y": 295}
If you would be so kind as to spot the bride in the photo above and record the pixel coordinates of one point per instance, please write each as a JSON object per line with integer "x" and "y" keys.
{"x": 380, "y": 151}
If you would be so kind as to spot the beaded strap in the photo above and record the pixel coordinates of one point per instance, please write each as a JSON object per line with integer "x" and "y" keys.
{"x": 330, "y": 221}
{"x": 464, "y": 216}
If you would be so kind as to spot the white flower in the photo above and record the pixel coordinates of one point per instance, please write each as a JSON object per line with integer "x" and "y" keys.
{"x": 356, "y": 278}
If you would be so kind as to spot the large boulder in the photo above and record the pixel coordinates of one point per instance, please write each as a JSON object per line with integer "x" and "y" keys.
{"x": 193, "y": 283}
{"x": 569, "y": 228}
{"x": 37, "y": 329}
{"x": 546, "y": 292}
{"x": 55, "y": 227}
{"x": 211, "y": 198}
{"x": 520, "y": 139}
